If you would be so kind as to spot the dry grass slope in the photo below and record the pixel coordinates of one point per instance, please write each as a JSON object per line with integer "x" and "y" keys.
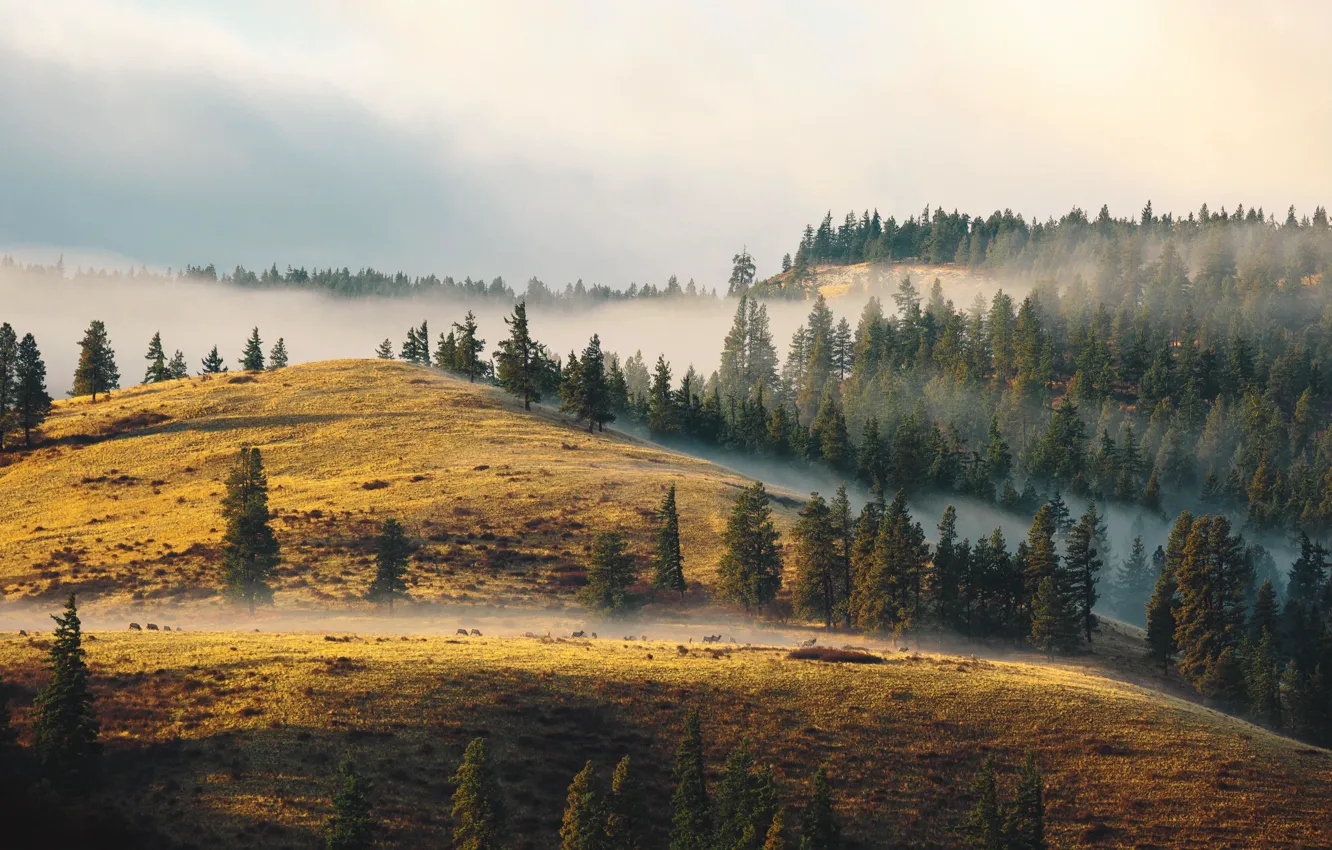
{"x": 121, "y": 503}
{"x": 229, "y": 739}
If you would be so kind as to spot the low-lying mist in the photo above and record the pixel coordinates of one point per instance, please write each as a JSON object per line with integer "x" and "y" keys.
{"x": 194, "y": 316}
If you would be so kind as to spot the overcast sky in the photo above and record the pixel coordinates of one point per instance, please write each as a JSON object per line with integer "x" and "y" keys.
{"x": 619, "y": 141}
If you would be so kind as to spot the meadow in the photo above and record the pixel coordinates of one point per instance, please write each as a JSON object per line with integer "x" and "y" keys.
{"x": 226, "y": 738}
{"x": 121, "y": 502}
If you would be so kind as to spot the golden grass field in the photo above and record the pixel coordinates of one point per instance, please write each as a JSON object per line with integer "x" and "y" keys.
{"x": 121, "y": 503}
{"x": 231, "y": 738}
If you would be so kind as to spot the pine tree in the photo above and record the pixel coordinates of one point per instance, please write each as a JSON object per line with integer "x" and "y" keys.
{"x": 668, "y": 562}
{"x": 252, "y": 358}
{"x": 1135, "y": 579}
{"x": 1024, "y": 828}
{"x": 1265, "y": 612}
{"x": 1082, "y": 565}
{"x": 947, "y": 574}
{"x": 585, "y": 814}
{"x": 626, "y": 814}
{"x": 178, "y": 367}
{"x": 96, "y": 372}
{"x": 385, "y": 350}
{"x": 277, "y": 358}
{"x": 158, "y": 370}
{"x": 212, "y": 364}
{"x": 65, "y": 721}
{"x": 593, "y": 400}
{"x": 250, "y": 551}
{"x": 1053, "y": 619}
{"x": 818, "y": 825}
{"x": 986, "y": 821}
{"x": 478, "y": 808}
{"x": 9, "y": 354}
{"x": 829, "y": 432}
{"x": 391, "y": 552}
{"x": 350, "y": 826}
{"x": 662, "y": 417}
{"x": 32, "y": 403}
{"x": 1213, "y": 581}
{"x": 844, "y": 534}
{"x": 744, "y": 802}
{"x": 467, "y": 360}
{"x": 519, "y": 362}
{"x": 1309, "y": 574}
{"x": 816, "y": 556}
{"x": 1161, "y": 620}
{"x": 872, "y": 461}
{"x": 692, "y": 817}
{"x": 610, "y": 573}
{"x": 775, "y": 838}
{"x": 1262, "y": 681}
{"x": 750, "y": 571}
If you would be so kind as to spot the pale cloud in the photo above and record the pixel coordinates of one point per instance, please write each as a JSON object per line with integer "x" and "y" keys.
{"x": 619, "y": 141}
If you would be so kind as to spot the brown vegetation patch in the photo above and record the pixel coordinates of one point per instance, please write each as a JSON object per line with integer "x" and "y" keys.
{"x": 834, "y": 656}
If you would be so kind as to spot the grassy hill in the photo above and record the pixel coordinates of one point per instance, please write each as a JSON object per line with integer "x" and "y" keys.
{"x": 121, "y": 504}
{"x": 227, "y": 739}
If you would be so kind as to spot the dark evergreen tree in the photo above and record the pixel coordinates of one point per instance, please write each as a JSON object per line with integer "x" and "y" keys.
{"x": 610, "y": 573}
{"x": 750, "y": 571}
{"x": 478, "y": 807}
{"x": 585, "y": 814}
{"x": 252, "y": 358}
{"x": 691, "y": 820}
{"x": 519, "y": 362}
{"x": 96, "y": 372}
{"x": 986, "y": 820}
{"x": 872, "y": 462}
{"x": 626, "y": 815}
{"x": 350, "y": 827}
{"x": 948, "y": 574}
{"x": 277, "y": 358}
{"x": 178, "y": 367}
{"x": 668, "y": 562}
{"x": 817, "y": 589}
{"x": 1054, "y": 619}
{"x": 1024, "y": 828}
{"x": 467, "y": 359}
{"x": 1083, "y": 565}
{"x": 1308, "y": 580}
{"x": 158, "y": 370}
{"x": 383, "y": 352}
{"x": 212, "y": 364}
{"x": 744, "y": 801}
{"x": 250, "y": 551}
{"x": 32, "y": 404}
{"x": 1161, "y": 620}
{"x": 9, "y": 355}
{"x": 662, "y": 418}
{"x": 818, "y": 824}
{"x": 775, "y": 838}
{"x": 593, "y": 399}
{"x": 64, "y": 718}
{"x": 392, "y": 550}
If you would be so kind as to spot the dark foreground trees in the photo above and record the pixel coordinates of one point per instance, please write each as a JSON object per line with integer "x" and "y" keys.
{"x": 66, "y": 724}
{"x": 351, "y": 826}
{"x": 250, "y": 550}
{"x": 478, "y": 806}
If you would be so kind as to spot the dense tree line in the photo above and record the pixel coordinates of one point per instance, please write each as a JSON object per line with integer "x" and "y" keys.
{"x": 24, "y": 401}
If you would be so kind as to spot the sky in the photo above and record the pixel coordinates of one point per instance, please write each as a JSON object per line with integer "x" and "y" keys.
{"x": 619, "y": 142}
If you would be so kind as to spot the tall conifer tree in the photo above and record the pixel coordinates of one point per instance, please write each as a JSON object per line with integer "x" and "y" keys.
{"x": 65, "y": 721}
{"x": 250, "y": 551}
{"x": 96, "y": 371}
{"x": 668, "y": 562}
{"x": 252, "y": 358}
